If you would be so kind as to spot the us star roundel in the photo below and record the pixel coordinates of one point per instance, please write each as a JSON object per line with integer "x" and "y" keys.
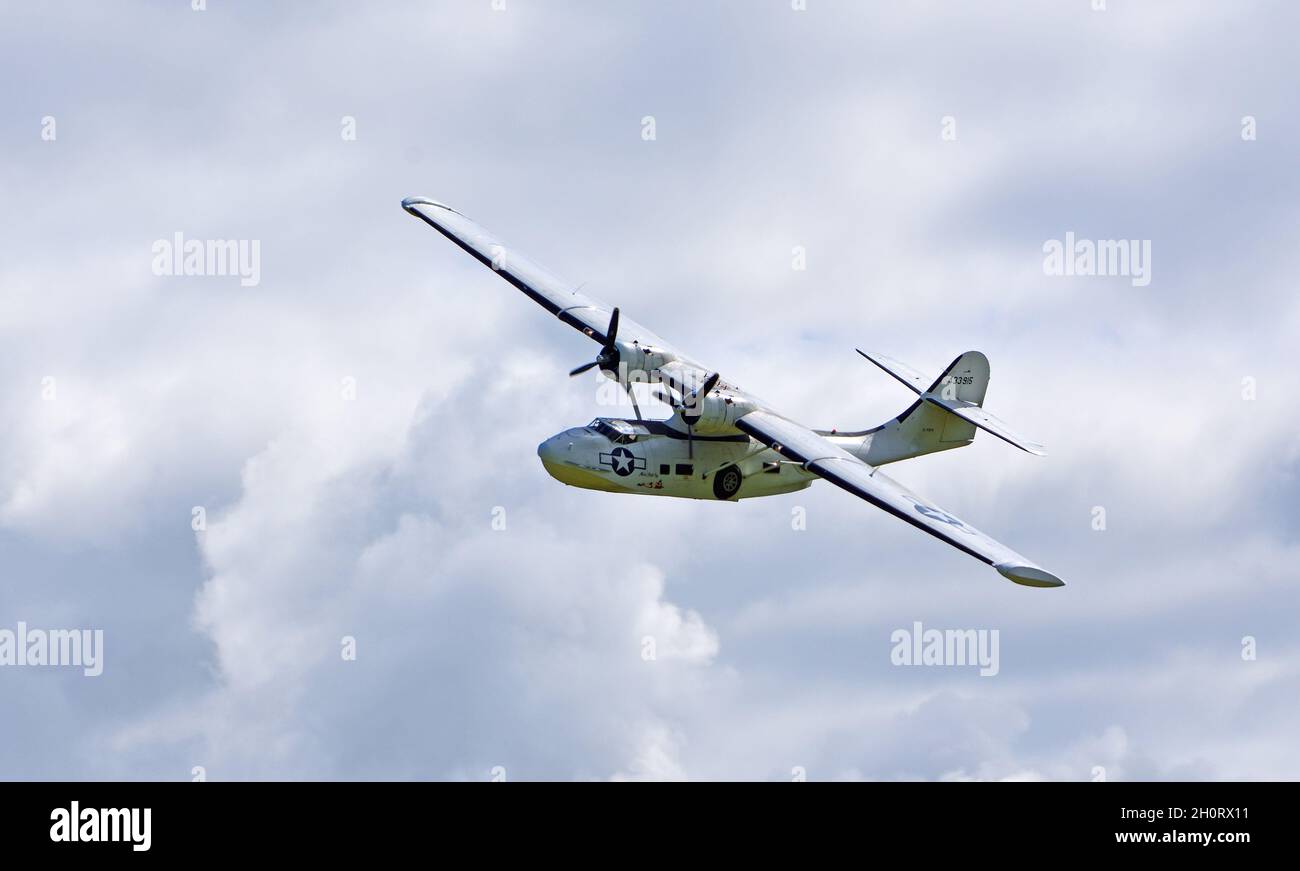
{"x": 622, "y": 461}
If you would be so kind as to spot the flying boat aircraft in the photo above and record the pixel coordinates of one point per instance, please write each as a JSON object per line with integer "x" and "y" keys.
{"x": 725, "y": 444}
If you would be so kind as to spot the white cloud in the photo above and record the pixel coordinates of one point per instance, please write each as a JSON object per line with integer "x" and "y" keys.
{"x": 523, "y": 648}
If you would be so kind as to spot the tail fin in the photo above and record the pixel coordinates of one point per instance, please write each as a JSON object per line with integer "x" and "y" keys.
{"x": 966, "y": 378}
{"x": 944, "y": 416}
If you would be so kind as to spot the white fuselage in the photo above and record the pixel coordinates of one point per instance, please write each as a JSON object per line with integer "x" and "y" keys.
{"x": 654, "y": 457}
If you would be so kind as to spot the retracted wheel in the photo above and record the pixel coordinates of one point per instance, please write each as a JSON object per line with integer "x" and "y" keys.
{"x": 726, "y": 482}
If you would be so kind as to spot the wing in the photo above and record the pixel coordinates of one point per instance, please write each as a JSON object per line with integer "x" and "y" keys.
{"x": 559, "y": 297}
{"x": 829, "y": 461}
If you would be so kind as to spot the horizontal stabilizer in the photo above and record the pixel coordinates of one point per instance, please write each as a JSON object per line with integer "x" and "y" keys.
{"x": 915, "y": 381}
{"x": 972, "y": 413}
{"x": 959, "y": 391}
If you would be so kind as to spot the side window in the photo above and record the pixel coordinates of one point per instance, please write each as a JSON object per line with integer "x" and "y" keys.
{"x": 663, "y": 468}
{"x": 685, "y": 469}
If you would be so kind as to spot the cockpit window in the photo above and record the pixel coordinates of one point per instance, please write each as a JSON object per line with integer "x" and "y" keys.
{"x": 615, "y": 430}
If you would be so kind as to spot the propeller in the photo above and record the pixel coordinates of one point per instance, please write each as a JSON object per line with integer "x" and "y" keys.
{"x": 696, "y": 397}
{"x": 689, "y": 401}
{"x": 664, "y": 396}
{"x": 608, "y": 359}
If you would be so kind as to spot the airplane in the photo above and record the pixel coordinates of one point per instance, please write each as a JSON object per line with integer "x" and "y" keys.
{"x": 723, "y": 443}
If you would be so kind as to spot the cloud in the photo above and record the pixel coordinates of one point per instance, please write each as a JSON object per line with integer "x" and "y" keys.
{"x": 369, "y": 515}
{"x": 478, "y": 636}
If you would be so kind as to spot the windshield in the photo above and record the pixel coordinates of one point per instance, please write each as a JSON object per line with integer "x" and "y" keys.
{"x": 616, "y": 431}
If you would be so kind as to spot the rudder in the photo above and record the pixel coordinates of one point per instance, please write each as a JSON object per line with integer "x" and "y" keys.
{"x": 966, "y": 379}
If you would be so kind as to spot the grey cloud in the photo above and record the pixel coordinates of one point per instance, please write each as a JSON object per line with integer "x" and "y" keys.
{"x": 522, "y": 648}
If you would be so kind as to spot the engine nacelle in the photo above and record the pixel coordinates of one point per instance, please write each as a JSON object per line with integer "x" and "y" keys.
{"x": 716, "y": 414}
{"x": 637, "y": 364}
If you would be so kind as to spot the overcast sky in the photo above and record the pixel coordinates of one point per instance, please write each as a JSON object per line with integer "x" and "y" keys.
{"x": 130, "y": 398}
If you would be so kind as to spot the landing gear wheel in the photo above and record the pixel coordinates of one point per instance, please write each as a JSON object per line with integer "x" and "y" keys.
{"x": 726, "y": 482}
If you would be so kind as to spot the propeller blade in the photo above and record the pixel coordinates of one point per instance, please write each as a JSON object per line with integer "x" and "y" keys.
{"x": 612, "y": 332}
{"x": 664, "y": 396}
{"x": 690, "y": 406}
{"x": 608, "y": 356}
{"x": 709, "y": 384}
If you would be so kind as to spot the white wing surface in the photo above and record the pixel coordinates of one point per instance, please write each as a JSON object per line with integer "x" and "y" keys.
{"x": 829, "y": 461}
